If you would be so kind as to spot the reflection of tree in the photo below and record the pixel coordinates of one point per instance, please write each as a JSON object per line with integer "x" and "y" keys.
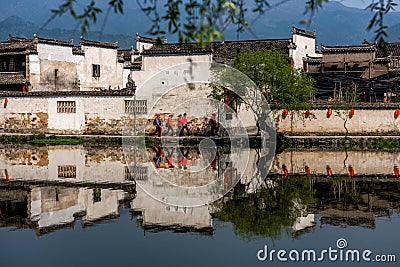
{"x": 266, "y": 212}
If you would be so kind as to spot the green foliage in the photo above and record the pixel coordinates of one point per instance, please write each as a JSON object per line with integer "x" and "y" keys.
{"x": 276, "y": 78}
{"x": 206, "y": 20}
{"x": 380, "y": 8}
{"x": 267, "y": 212}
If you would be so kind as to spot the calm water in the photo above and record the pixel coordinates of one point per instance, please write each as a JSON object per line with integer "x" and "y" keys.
{"x": 78, "y": 206}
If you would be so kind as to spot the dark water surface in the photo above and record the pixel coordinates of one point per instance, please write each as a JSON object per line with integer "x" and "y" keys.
{"x": 78, "y": 206}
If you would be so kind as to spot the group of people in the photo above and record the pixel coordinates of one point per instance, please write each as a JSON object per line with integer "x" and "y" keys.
{"x": 181, "y": 125}
{"x": 181, "y": 156}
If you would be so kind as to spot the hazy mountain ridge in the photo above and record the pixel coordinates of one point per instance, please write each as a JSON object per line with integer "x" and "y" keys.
{"x": 18, "y": 27}
{"x": 334, "y": 24}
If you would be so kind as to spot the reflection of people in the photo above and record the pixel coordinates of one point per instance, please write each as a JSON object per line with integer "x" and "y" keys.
{"x": 214, "y": 125}
{"x": 157, "y": 123}
{"x": 157, "y": 158}
{"x": 170, "y": 158}
{"x": 182, "y": 158}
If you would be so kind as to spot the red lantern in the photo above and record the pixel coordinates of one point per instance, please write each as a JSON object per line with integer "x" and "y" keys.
{"x": 329, "y": 171}
{"x": 351, "y": 113}
{"x": 396, "y": 170}
{"x": 329, "y": 112}
{"x": 351, "y": 171}
{"x": 285, "y": 170}
{"x": 396, "y": 113}
{"x": 307, "y": 170}
{"x": 285, "y": 112}
{"x": 307, "y": 113}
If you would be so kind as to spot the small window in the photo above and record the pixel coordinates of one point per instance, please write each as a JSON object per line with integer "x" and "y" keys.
{"x": 11, "y": 65}
{"x": 96, "y": 195}
{"x": 136, "y": 173}
{"x": 229, "y": 116}
{"x": 66, "y": 171}
{"x": 141, "y": 106}
{"x": 96, "y": 70}
{"x": 66, "y": 107}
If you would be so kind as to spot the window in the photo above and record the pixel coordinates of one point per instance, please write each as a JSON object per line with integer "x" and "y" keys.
{"x": 66, "y": 107}
{"x": 96, "y": 70}
{"x": 11, "y": 65}
{"x": 141, "y": 106}
{"x": 66, "y": 171}
{"x": 135, "y": 173}
{"x": 96, "y": 195}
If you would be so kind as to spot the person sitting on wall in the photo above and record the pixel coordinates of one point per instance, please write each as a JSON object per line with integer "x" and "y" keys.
{"x": 157, "y": 123}
{"x": 214, "y": 125}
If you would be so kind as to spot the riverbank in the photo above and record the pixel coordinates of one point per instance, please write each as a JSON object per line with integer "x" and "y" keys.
{"x": 284, "y": 142}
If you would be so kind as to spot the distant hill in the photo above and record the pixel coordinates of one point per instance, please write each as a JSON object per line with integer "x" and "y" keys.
{"x": 394, "y": 33}
{"x": 16, "y": 26}
{"x": 335, "y": 23}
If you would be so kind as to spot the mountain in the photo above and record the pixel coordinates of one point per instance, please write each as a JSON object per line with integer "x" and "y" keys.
{"x": 16, "y": 26}
{"x": 394, "y": 33}
{"x": 335, "y": 24}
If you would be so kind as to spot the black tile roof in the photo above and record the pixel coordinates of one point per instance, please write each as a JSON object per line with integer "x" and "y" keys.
{"x": 99, "y": 44}
{"x": 304, "y": 32}
{"x": 177, "y": 49}
{"x": 148, "y": 39}
{"x": 223, "y": 52}
{"x": 12, "y": 78}
{"x": 121, "y": 92}
{"x": 389, "y": 49}
{"x": 77, "y": 50}
{"x": 348, "y": 48}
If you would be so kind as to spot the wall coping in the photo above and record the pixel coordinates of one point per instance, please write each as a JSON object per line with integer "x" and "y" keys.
{"x": 337, "y": 105}
{"x": 122, "y": 92}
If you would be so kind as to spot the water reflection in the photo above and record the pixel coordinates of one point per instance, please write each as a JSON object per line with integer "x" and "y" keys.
{"x": 51, "y": 188}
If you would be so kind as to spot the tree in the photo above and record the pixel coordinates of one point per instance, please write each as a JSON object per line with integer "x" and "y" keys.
{"x": 275, "y": 77}
{"x": 199, "y": 21}
{"x": 267, "y": 212}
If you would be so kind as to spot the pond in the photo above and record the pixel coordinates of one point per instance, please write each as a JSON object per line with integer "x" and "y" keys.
{"x": 80, "y": 206}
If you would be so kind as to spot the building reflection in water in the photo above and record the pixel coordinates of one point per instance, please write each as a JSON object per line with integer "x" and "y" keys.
{"x": 49, "y": 188}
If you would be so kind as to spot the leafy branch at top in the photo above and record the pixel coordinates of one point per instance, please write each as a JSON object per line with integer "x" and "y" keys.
{"x": 206, "y": 20}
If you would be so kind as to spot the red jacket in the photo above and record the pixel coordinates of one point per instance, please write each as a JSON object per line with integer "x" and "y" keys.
{"x": 180, "y": 122}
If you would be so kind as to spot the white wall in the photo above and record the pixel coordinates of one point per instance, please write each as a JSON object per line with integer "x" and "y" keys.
{"x": 110, "y": 70}
{"x": 304, "y": 46}
{"x": 363, "y": 122}
{"x": 153, "y": 64}
{"x": 66, "y": 121}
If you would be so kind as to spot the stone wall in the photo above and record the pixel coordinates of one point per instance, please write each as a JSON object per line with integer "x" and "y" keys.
{"x": 93, "y": 115}
{"x": 364, "y": 122}
{"x": 363, "y": 162}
